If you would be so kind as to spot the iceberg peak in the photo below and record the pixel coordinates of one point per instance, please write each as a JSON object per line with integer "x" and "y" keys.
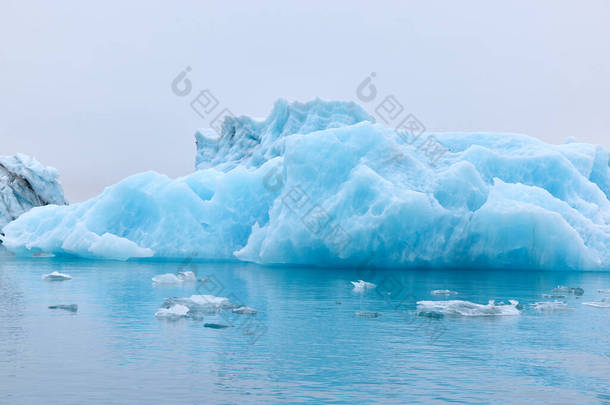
{"x": 244, "y": 140}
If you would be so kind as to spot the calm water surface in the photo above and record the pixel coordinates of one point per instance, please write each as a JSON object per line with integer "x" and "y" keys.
{"x": 306, "y": 345}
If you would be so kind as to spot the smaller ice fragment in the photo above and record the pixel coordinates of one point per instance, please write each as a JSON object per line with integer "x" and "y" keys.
{"x": 71, "y": 307}
{"x": 170, "y": 278}
{"x": 467, "y": 308}
{"x": 550, "y": 306}
{"x": 604, "y": 291}
{"x": 243, "y": 310}
{"x": 603, "y": 303}
{"x": 569, "y": 290}
{"x": 368, "y": 314}
{"x": 361, "y": 285}
{"x": 443, "y": 292}
{"x": 553, "y": 296}
{"x": 174, "y": 312}
{"x": 56, "y": 276}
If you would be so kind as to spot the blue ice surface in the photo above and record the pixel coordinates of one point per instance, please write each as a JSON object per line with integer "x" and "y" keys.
{"x": 321, "y": 184}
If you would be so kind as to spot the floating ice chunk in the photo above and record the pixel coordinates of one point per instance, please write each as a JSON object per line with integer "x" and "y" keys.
{"x": 551, "y": 306}
{"x": 361, "y": 285}
{"x": 368, "y": 314}
{"x": 243, "y": 310}
{"x": 604, "y": 291}
{"x": 443, "y": 292}
{"x": 56, "y": 276}
{"x": 170, "y": 278}
{"x": 555, "y": 296}
{"x": 208, "y": 304}
{"x": 174, "y": 312}
{"x": 569, "y": 290}
{"x": 466, "y": 308}
{"x": 603, "y": 303}
{"x": 71, "y": 307}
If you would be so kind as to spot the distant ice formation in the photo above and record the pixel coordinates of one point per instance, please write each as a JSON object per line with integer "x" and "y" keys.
{"x": 56, "y": 276}
{"x": 322, "y": 184}
{"x": 604, "y": 291}
{"x": 466, "y": 308}
{"x": 25, "y": 183}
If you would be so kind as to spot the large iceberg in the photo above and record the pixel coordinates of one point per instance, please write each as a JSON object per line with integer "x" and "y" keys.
{"x": 24, "y": 184}
{"x": 322, "y": 184}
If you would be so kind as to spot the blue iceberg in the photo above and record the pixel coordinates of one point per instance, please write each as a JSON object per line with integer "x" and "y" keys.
{"x": 322, "y": 184}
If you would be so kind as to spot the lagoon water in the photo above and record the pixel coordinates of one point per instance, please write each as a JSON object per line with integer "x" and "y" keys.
{"x": 306, "y": 344}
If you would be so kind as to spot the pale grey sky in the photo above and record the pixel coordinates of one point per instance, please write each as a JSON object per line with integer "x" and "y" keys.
{"x": 85, "y": 86}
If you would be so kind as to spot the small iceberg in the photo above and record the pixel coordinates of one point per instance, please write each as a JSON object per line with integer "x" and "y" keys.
{"x": 550, "y": 306}
{"x": 174, "y": 312}
{"x": 603, "y": 303}
{"x": 443, "y": 292}
{"x": 243, "y": 310}
{"x": 467, "y": 308}
{"x": 208, "y": 304}
{"x": 170, "y": 278}
{"x": 361, "y": 285}
{"x": 71, "y": 307}
{"x": 604, "y": 291}
{"x": 368, "y": 314}
{"x": 568, "y": 290}
{"x": 56, "y": 276}
{"x": 554, "y": 296}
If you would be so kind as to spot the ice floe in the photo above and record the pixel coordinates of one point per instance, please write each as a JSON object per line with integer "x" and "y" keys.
{"x": 467, "y": 308}
{"x": 243, "y": 310}
{"x": 443, "y": 292}
{"x": 368, "y": 314}
{"x": 56, "y": 276}
{"x": 604, "y": 291}
{"x": 173, "y": 312}
{"x": 568, "y": 290}
{"x": 551, "y": 306}
{"x": 603, "y": 303}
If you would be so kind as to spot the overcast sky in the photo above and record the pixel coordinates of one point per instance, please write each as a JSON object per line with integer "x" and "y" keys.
{"x": 86, "y": 87}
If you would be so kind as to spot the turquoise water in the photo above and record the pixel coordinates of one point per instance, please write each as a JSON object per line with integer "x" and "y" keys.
{"x": 306, "y": 345}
